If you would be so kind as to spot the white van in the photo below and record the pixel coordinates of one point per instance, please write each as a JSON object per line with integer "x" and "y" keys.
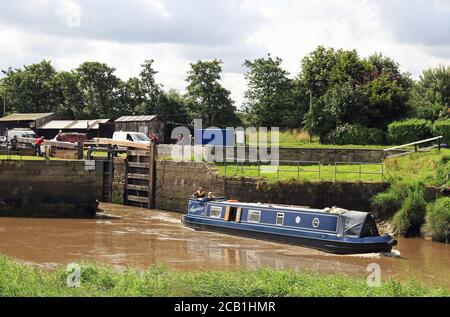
{"x": 21, "y": 133}
{"x": 137, "y": 137}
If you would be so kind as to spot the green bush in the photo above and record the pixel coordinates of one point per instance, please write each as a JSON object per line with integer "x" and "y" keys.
{"x": 437, "y": 225}
{"x": 387, "y": 203}
{"x": 407, "y": 131}
{"x": 442, "y": 175}
{"x": 355, "y": 134}
{"x": 442, "y": 127}
{"x": 411, "y": 216}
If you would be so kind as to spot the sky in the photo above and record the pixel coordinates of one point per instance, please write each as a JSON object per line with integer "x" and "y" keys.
{"x": 175, "y": 33}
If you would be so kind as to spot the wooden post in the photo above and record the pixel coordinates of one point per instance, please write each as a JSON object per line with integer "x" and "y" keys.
{"x": 152, "y": 178}
{"x": 80, "y": 148}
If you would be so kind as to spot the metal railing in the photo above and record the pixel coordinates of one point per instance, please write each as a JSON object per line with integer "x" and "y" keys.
{"x": 360, "y": 172}
{"x": 416, "y": 147}
{"x": 306, "y": 170}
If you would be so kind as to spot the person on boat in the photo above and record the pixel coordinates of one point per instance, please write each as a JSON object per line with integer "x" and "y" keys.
{"x": 200, "y": 193}
{"x": 210, "y": 195}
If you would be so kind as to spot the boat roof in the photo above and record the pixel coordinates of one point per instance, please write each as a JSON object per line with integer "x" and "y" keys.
{"x": 333, "y": 210}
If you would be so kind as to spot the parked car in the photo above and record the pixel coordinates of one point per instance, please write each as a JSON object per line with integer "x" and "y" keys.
{"x": 138, "y": 137}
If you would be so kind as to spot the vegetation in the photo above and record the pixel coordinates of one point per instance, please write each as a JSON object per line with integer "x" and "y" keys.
{"x": 23, "y": 280}
{"x": 25, "y": 158}
{"x": 442, "y": 128}
{"x": 437, "y": 226}
{"x": 333, "y": 89}
{"x": 430, "y": 168}
{"x": 411, "y": 216}
{"x": 206, "y": 98}
{"x": 405, "y": 199}
{"x": 408, "y": 131}
{"x": 355, "y": 134}
{"x": 342, "y": 173}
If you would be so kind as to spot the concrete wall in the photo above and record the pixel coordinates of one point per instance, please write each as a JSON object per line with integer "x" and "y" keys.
{"x": 177, "y": 181}
{"x": 323, "y": 155}
{"x": 47, "y": 188}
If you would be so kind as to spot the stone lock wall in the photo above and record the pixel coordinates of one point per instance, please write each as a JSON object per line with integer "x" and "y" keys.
{"x": 47, "y": 188}
{"x": 323, "y": 155}
{"x": 177, "y": 181}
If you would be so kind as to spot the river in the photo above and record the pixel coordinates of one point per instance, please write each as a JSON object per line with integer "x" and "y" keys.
{"x": 139, "y": 238}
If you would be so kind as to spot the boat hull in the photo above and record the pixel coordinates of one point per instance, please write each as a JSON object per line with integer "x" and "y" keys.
{"x": 336, "y": 247}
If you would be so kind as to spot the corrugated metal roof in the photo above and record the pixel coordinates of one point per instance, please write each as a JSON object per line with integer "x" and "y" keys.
{"x": 135, "y": 118}
{"x": 25, "y": 116}
{"x": 73, "y": 124}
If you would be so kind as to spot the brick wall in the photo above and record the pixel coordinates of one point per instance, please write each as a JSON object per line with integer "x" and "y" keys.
{"x": 47, "y": 188}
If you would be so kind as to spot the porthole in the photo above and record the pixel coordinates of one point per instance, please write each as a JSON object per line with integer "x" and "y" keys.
{"x": 316, "y": 222}
{"x": 298, "y": 219}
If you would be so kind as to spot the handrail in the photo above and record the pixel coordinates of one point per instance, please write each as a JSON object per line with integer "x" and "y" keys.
{"x": 413, "y": 143}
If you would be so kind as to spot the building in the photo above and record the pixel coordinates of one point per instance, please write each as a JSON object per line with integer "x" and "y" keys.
{"x": 24, "y": 121}
{"x": 147, "y": 124}
{"x": 97, "y": 128}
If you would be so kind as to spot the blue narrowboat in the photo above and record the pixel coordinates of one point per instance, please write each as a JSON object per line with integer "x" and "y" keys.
{"x": 333, "y": 230}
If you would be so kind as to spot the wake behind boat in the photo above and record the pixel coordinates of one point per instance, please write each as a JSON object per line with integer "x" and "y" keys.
{"x": 332, "y": 230}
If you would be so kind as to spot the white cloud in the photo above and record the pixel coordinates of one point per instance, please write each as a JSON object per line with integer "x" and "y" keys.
{"x": 176, "y": 33}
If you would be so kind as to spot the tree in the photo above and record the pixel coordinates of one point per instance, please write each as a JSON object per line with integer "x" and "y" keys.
{"x": 347, "y": 89}
{"x": 173, "y": 107}
{"x": 99, "y": 87}
{"x": 27, "y": 90}
{"x": 66, "y": 97}
{"x": 207, "y": 98}
{"x": 148, "y": 90}
{"x": 270, "y": 96}
{"x": 430, "y": 98}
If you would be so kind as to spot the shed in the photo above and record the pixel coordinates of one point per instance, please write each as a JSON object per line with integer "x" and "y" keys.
{"x": 24, "y": 121}
{"x": 147, "y": 124}
{"x": 144, "y": 124}
{"x": 98, "y": 128}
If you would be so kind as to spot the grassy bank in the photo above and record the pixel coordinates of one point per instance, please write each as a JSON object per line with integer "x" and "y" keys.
{"x": 310, "y": 173}
{"x": 431, "y": 168}
{"x": 22, "y": 280}
{"x": 301, "y": 139}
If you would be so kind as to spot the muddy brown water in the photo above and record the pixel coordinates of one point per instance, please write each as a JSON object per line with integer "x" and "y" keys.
{"x": 140, "y": 238}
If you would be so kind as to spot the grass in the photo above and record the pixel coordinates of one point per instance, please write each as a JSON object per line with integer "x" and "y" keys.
{"x": 301, "y": 139}
{"x": 24, "y": 158}
{"x": 344, "y": 173}
{"x": 21, "y": 280}
{"x": 431, "y": 168}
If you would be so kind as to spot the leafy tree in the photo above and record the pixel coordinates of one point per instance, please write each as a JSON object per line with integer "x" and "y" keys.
{"x": 350, "y": 90}
{"x": 27, "y": 90}
{"x": 67, "y": 99}
{"x": 147, "y": 91}
{"x": 207, "y": 98}
{"x": 99, "y": 87}
{"x": 270, "y": 94}
{"x": 173, "y": 107}
{"x": 430, "y": 98}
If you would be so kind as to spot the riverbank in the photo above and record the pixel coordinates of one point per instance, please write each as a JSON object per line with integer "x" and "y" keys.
{"x": 18, "y": 279}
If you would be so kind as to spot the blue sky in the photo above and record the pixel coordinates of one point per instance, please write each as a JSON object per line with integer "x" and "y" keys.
{"x": 175, "y": 33}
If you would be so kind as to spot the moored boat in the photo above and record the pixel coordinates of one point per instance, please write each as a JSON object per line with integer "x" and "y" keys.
{"x": 333, "y": 230}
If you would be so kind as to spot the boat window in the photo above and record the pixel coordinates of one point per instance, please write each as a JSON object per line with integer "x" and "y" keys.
{"x": 280, "y": 219}
{"x": 254, "y": 216}
{"x": 215, "y": 212}
{"x": 369, "y": 228}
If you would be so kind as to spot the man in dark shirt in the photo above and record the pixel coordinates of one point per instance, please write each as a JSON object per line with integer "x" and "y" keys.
{"x": 14, "y": 142}
{"x": 200, "y": 193}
